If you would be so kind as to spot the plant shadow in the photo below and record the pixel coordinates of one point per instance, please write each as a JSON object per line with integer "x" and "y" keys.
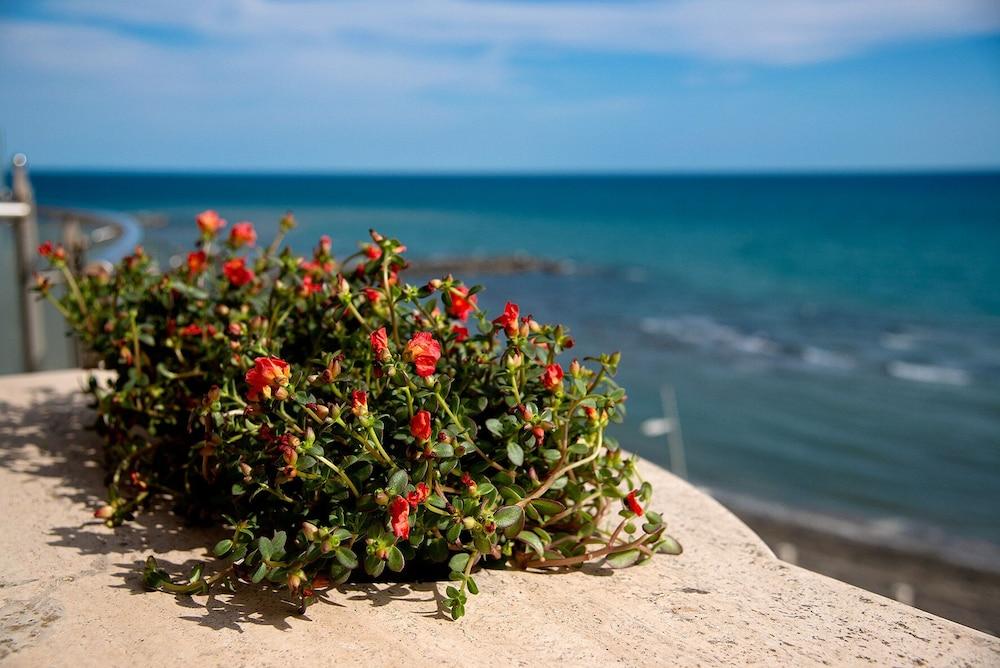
{"x": 49, "y": 436}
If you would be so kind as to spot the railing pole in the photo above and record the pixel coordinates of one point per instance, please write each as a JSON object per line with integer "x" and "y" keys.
{"x": 25, "y": 249}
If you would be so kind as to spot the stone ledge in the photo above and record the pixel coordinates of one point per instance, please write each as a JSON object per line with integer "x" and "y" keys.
{"x": 70, "y": 591}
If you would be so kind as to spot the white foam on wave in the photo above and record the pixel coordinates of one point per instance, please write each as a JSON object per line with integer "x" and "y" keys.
{"x": 702, "y": 332}
{"x": 928, "y": 373}
{"x": 826, "y": 358}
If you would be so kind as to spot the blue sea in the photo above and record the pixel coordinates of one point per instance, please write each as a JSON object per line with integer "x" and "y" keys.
{"x": 833, "y": 341}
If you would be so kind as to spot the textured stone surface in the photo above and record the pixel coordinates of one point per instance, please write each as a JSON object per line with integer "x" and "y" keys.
{"x": 70, "y": 592}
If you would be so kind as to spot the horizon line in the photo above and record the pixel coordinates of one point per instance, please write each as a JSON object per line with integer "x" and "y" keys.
{"x": 984, "y": 170}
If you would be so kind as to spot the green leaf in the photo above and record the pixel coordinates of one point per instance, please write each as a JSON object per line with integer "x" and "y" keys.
{"x": 444, "y": 450}
{"x": 222, "y": 547}
{"x": 471, "y": 584}
{"x": 264, "y": 545}
{"x": 397, "y": 482}
{"x": 623, "y": 559}
{"x": 278, "y": 545}
{"x": 514, "y": 453}
{"x": 395, "y": 560}
{"x": 494, "y": 426}
{"x": 459, "y": 562}
{"x": 259, "y": 574}
{"x": 346, "y": 557}
{"x": 374, "y": 566}
{"x": 548, "y": 506}
{"x": 508, "y": 516}
{"x": 669, "y": 545}
{"x": 533, "y": 541}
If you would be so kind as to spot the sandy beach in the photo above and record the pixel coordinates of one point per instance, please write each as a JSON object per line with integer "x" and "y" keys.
{"x": 966, "y": 595}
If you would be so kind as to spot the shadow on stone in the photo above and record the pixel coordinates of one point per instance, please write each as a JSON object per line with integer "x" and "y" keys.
{"x": 51, "y": 437}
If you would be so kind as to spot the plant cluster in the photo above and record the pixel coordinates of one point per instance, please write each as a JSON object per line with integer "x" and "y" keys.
{"x": 340, "y": 421}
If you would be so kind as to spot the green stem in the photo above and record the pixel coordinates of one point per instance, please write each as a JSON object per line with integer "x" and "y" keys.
{"x": 455, "y": 420}
{"x": 343, "y": 476}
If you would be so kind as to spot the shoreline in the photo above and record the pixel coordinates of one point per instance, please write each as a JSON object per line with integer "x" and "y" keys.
{"x": 963, "y": 593}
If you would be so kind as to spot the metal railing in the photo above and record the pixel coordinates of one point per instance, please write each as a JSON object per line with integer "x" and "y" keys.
{"x": 88, "y": 236}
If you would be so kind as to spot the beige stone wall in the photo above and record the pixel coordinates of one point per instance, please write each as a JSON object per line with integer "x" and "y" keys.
{"x": 70, "y": 591}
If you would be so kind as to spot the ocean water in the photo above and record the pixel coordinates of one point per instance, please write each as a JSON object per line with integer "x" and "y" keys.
{"x": 833, "y": 341}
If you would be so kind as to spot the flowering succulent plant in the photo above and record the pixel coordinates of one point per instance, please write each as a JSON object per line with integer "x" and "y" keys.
{"x": 338, "y": 420}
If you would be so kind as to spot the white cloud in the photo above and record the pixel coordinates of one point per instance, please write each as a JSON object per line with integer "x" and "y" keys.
{"x": 772, "y": 32}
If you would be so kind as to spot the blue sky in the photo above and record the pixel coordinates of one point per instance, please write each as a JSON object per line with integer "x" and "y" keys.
{"x": 502, "y": 84}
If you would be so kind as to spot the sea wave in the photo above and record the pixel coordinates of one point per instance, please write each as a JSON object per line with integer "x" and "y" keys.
{"x": 705, "y": 334}
{"x": 927, "y": 373}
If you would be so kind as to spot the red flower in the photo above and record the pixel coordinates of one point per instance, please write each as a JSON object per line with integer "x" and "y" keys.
{"x": 419, "y": 495}
{"x": 399, "y": 513}
{"x": 191, "y": 330}
{"x": 359, "y": 402}
{"x": 242, "y": 234}
{"x": 509, "y": 319}
{"x": 552, "y": 377}
{"x": 424, "y": 351}
{"x": 325, "y": 244}
{"x": 461, "y": 333}
{"x": 268, "y": 377}
{"x": 209, "y": 223}
{"x": 237, "y": 273}
{"x": 633, "y": 504}
{"x": 372, "y": 295}
{"x": 469, "y": 482}
{"x": 51, "y": 252}
{"x": 380, "y": 344}
{"x": 373, "y": 252}
{"x": 196, "y": 261}
{"x": 310, "y": 286}
{"x": 461, "y": 304}
{"x": 420, "y": 426}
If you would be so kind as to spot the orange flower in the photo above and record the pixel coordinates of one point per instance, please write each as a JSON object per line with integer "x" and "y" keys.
{"x": 242, "y": 234}
{"x": 209, "y": 223}
{"x": 424, "y": 351}
{"x": 237, "y": 273}
{"x": 399, "y": 513}
{"x": 461, "y": 304}
{"x": 373, "y": 252}
{"x": 268, "y": 377}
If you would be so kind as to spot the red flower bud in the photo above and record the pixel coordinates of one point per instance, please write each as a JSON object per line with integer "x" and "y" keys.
{"x": 420, "y": 426}
{"x": 191, "y": 330}
{"x": 461, "y": 333}
{"x": 104, "y": 512}
{"x": 359, "y": 402}
{"x": 372, "y": 251}
{"x": 380, "y": 344}
{"x": 372, "y": 295}
{"x": 632, "y": 503}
